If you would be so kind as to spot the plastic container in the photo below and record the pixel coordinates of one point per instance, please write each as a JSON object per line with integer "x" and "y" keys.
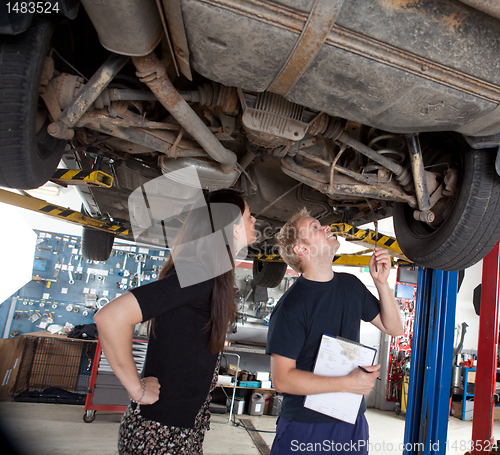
{"x": 257, "y": 403}
{"x": 238, "y": 405}
{"x": 250, "y": 384}
{"x": 275, "y": 405}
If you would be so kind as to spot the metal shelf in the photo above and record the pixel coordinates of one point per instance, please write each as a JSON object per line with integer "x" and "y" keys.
{"x": 464, "y": 393}
{"x": 247, "y": 349}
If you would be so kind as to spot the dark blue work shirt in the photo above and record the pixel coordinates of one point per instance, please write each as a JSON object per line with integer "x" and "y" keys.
{"x": 304, "y": 313}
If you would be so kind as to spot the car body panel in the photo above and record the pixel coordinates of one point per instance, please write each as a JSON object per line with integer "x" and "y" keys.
{"x": 399, "y": 66}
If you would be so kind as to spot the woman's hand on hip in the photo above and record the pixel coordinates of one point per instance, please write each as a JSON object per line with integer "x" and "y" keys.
{"x": 152, "y": 390}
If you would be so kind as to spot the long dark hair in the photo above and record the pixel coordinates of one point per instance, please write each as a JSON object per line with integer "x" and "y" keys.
{"x": 225, "y": 208}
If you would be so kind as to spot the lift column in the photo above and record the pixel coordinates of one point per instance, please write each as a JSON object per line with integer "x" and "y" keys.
{"x": 427, "y": 411}
{"x": 482, "y": 423}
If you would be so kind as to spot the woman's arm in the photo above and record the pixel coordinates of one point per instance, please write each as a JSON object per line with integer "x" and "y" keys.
{"x": 115, "y": 325}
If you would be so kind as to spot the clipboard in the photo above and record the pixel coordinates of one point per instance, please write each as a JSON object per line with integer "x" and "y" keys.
{"x": 338, "y": 356}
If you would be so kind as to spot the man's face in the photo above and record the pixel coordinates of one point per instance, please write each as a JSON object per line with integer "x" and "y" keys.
{"x": 318, "y": 239}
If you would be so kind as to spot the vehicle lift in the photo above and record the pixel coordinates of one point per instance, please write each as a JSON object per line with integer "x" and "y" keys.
{"x": 427, "y": 409}
{"x": 432, "y": 357}
{"x": 486, "y": 371}
{"x": 432, "y": 353}
{"x": 34, "y": 204}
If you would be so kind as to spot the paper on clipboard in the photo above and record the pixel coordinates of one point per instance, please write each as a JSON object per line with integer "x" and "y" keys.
{"x": 338, "y": 357}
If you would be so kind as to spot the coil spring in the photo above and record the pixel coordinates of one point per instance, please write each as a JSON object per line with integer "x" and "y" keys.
{"x": 395, "y": 153}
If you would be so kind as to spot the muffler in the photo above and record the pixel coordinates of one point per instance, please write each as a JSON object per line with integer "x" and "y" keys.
{"x": 126, "y": 27}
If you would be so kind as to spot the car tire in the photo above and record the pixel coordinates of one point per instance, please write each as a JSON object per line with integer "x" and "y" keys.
{"x": 268, "y": 274}
{"x": 96, "y": 245}
{"x": 469, "y": 229}
{"x": 27, "y": 158}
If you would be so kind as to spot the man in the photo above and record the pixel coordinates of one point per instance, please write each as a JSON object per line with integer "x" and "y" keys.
{"x": 319, "y": 302}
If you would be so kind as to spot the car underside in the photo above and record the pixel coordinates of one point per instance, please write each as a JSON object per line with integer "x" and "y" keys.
{"x": 358, "y": 110}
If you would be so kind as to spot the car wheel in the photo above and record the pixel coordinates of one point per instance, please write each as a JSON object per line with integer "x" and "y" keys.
{"x": 268, "y": 274}
{"x": 466, "y": 224}
{"x": 96, "y": 245}
{"x": 28, "y": 158}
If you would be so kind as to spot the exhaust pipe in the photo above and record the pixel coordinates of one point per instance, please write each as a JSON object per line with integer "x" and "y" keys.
{"x": 151, "y": 72}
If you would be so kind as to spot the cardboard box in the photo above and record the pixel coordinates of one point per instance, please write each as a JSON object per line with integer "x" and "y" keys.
{"x": 11, "y": 351}
{"x": 224, "y": 379}
{"x": 456, "y": 410}
{"x": 231, "y": 369}
{"x": 262, "y": 376}
{"x": 471, "y": 377}
{"x": 496, "y": 416}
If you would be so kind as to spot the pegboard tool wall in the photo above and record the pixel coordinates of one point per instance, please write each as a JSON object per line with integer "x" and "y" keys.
{"x": 400, "y": 348}
{"x": 66, "y": 288}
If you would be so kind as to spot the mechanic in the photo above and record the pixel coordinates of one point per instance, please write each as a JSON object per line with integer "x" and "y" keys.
{"x": 322, "y": 302}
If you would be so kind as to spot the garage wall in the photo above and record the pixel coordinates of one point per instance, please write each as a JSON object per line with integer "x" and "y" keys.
{"x": 465, "y": 309}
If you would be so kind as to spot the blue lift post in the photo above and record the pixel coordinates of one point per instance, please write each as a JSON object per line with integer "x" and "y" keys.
{"x": 427, "y": 410}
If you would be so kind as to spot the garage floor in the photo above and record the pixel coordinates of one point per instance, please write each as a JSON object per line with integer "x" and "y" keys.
{"x": 51, "y": 429}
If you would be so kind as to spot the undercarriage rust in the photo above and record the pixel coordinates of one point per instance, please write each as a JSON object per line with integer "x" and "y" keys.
{"x": 312, "y": 37}
{"x": 347, "y": 185}
{"x": 153, "y": 74}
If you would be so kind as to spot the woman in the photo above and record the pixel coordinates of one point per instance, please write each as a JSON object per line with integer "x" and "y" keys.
{"x": 191, "y": 306}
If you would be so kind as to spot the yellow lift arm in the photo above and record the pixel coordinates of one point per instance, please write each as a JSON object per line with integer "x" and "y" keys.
{"x": 369, "y": 239}
{"x": 56, "y": 211}
{"x": 347, "y": 260}
{"x": 77, "y": 177}
{"x": 365, "y": 237}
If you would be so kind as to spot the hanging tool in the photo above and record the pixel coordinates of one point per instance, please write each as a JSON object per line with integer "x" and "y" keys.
{"x": 79, "y": 269}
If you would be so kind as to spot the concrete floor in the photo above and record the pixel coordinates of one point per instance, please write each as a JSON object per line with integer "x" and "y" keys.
{"x": 51, "y": 429}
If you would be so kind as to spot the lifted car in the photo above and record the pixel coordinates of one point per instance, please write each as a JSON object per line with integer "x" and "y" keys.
{"x": 356, "y": 109}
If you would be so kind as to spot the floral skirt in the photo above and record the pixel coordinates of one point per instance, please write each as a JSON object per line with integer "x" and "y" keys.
{"x": 138, "y": 435}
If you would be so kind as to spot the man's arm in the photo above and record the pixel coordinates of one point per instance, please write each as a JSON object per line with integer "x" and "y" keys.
{"x": 389, "y": 320}
{"x": 288, "y": 379}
